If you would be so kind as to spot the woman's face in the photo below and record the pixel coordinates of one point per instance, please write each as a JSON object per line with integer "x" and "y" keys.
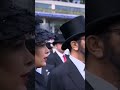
{"x": 15, "y": 64}
{"x": 41, "y": 55}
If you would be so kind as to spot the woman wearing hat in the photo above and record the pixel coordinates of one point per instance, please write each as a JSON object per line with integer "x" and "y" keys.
{"x": 58, "y": 57}
{"x": 15, "y": 60}
{"x": 41, "y": 53}
{"x": 71, "y": 75}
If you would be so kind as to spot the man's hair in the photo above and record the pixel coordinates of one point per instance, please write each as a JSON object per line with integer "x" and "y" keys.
{"x": 105, "y": 35}
{"x": 76, "y": 38}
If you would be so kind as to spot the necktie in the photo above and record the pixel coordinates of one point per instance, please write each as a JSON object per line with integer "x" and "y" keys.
{"x": 65, "y": 59}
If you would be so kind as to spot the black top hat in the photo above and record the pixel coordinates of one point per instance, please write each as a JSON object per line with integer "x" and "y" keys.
{"x": 101, "y": 13}
{"x": 59, "y": 39}
{"x": 71, "y": 29}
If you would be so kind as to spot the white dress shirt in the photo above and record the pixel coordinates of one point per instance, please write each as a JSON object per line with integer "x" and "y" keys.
{"x": 79, "y": 64}
{"x": 60, "y": 55}
{"x": 67, "y": 52}
{"x": 53, "y": 50}
{"x": 39, "y": 70}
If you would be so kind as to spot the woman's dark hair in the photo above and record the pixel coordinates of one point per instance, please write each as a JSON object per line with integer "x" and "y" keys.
{"x": 30, "y": 45}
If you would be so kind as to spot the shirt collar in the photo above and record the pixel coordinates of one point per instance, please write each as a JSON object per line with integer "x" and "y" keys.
{"x": 79, "y": 64}
{"x": 39, "y": 70}
{"x": 60, "y": 54}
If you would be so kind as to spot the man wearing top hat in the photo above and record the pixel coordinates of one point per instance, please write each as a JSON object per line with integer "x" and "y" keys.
{"x": 71, "y": 75}
{"x": 103, "y": 44}
{"x": 58, "y": 57}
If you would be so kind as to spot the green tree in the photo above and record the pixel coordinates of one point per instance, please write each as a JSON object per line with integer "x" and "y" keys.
{"x": 71, "y": 0}
{"x": 65, "y": 0}
{"x": 82, "y": 1}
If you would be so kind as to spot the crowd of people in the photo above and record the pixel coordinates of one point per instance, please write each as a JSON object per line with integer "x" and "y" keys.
{"x": 85, "y": 56}
{"x": 56, "y": 66}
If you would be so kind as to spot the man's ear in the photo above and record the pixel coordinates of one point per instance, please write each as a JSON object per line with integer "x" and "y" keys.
{"x": 95, "y": 46}
{"x": 74, "y": 45}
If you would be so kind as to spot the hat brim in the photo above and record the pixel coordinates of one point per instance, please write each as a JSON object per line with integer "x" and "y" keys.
{"x": 55, "y": 42}
{"x": 67, "y": 41}
{"x": 101, "y": 22}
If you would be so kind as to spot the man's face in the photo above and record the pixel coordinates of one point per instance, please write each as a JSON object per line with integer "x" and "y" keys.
{"x": 106, "y": 46}
{"x": 112, "y": 50}
{"x": 78, "y": 48}
{"x": 15, "y": 64}
{"x": 41, "y": 55}
{"x": 58, "y": 47}
{"x": 82, "y": 45}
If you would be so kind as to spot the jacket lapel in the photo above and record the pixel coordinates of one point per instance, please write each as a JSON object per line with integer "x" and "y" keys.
{"x": 75, "y": 75}
{"x": 46, "y": 71}
{"x": 39, "y": 79}
{"x": 88, "y": 86}
{"x": 58, "y": 59}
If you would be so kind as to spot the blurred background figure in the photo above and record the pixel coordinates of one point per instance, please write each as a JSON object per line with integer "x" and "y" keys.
{"x": 58, "y": 57}
{"x": 15, "y": 60}
{"x": 103, "y": 44}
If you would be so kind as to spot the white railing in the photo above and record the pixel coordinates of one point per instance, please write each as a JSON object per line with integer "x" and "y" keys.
{"x": 60, "y": 3}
